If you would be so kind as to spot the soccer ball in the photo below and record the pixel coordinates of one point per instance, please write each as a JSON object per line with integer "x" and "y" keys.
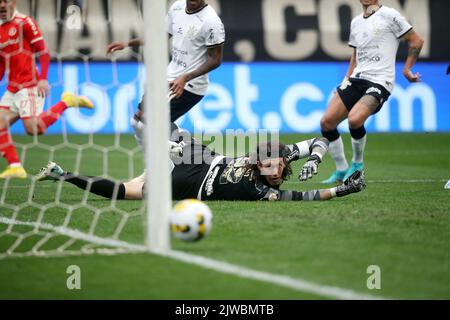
{"x": 190, "y": 220}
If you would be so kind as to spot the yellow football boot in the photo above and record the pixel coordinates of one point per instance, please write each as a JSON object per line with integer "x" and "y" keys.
{"x": 14, "y": 172}
{"x": 72, "y": 100}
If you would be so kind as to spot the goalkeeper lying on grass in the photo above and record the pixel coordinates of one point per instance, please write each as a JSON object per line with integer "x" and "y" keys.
{"x": 197, "y": 172}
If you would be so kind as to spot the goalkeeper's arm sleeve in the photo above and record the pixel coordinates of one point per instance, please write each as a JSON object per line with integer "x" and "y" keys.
{"x": 303, "y": 149}
{"x": 288, "y": 195}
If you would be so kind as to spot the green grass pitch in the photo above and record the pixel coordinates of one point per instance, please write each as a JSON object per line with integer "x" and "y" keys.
{"x": 401, "y": 223}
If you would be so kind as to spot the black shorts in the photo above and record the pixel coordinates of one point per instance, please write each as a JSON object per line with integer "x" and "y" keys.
{"x": 189, "y": 173}
{"x": 180, "y": 106}
{"x": 351, "y": 94}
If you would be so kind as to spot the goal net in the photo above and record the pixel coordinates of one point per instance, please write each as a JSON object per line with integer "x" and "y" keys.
{"x": 45, "y": 218}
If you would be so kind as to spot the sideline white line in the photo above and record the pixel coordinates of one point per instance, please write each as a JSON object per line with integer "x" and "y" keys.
{"x": 407, "y": 181}
{"x": 215, "y": 265}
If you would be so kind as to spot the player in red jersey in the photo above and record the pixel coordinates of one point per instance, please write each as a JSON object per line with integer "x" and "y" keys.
{"x": 20, "y": 41}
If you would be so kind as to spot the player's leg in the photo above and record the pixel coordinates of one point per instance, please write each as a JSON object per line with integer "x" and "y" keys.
{"x": 7, "y": 148}
{"x": 34, "y": 120}
{"x": 137, "y": 123}
{"x": 30, "y": 105}
{"x": 134, "y": 190}
{"x": 183, "y": 104}
{"x": 96, "y": 185}
{"x": 68, "y": 100}
{"x": 362, "y": 110}
{"x": 178, "y": 107}
{"x": 335, "y": 114}
{"x": 9, "y": 115}
{"x": 371, "y": 101}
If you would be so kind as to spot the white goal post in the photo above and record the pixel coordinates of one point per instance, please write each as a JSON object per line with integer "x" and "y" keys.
{"x": 42, "y": 218}
{"x": 159, "y": 193}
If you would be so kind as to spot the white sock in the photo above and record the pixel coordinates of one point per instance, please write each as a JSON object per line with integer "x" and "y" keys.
{"x": 336, "y": 150}
{"x": 358, "y": 149}
{"x": 15, "y": 165}
{"x": 138, "y": 127}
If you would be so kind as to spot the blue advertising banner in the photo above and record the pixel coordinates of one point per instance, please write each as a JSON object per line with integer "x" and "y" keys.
{"x": 290, "y": 97}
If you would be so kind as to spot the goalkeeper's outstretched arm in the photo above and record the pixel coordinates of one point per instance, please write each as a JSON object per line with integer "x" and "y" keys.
{"x": 355, "y": 183}
{"x": 316, "y": 146}
{"x": 314, "y": 149}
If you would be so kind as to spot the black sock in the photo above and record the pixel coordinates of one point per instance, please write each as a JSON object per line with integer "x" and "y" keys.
{"x": 358, "y": 133}
{"x": 331, "y": 135}
{"x": 99, "y": 186}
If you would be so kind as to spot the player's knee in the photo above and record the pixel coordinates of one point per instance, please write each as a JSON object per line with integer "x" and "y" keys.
{"x": 355, "y": 121}
{"x": 327, "y": 123}
{"x": 4, "y": 121}
{"x": 31, "y": 131}
{"x": 3, "y": 125}
{"x": 34, "y": 130}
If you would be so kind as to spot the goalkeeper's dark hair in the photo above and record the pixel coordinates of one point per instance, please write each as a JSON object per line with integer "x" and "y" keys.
{"x": 269, "y": 150}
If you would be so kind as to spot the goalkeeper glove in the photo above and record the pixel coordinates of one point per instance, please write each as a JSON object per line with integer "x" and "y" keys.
{"x": 176, "y": 149}
{"x": 309, "y": 168}
{"x": 355, "y": 183}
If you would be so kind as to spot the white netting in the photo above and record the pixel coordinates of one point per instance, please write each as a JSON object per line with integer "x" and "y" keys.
{"x": 46, "y": 218}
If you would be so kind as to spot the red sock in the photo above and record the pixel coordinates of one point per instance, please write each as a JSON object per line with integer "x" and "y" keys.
{"x": 50, "y": 116}
{"x": 7, "y": 148}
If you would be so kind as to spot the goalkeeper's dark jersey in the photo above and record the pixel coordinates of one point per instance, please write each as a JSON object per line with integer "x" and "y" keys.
{"x": 215, "y": 177}
{"x": 230, "y": 179}
{"x": 234, "y": 181}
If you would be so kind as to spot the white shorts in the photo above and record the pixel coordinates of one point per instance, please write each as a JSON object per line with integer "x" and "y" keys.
{"x": 26, "y": 102}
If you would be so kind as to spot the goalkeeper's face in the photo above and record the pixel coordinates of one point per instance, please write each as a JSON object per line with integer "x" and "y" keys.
{"x": 272, "y": 170}
{"x": 7, "y": 8}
